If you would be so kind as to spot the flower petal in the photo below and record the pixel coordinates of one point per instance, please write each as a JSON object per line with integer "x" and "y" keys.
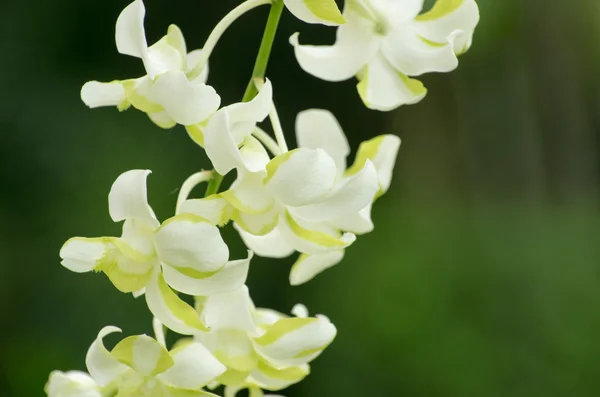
{"x": 193, "y": 61}
{"x": 130, "y": 35}
{"x": 445, "y": 18}
{"x": 128, "y": 198}
{"x": 230, "y": 278}
{"x": 103, "y": 367}
{"x": 254, "y": 155}
{"x": 301, "y": 176}
{"x": 228, "y": 128}
{"x": 163, "y": 57}
{"x": 186, "y": 102}
{"x": 170, "y": 310}
{"x": 231, "y": 310}
{"x": 311, "y": 241}
{"x": 143, "y": 354}
{"x": 268, "y": 377}
{"x": 96, "y": 94}
{"x": 213, "y": 208}
{"x": 318, "y": 128}
{"x": 194, "y": 367}
{"x": 413, "y": 55}
{"x": 191, "y": 244}
{"x": 324, "y": 12}
{"x": 71, "y": 384}
{"x": 382, "y": 87}
{"x": 355, "y": 45}
{"x": 81, "y": 255}
{"x": 271, "y": 245}
{"x": 248, "y": 194}
{"x": 308, "y": 266}
{"x": 357, "y": 223}
{"x": 353, "y": 194}
{"x": 257, "y": 224}
{"x": 295, "y": 341}
{"x": 126, "y": 273}
{"x": 162, "y": 119}
{"x": 382, "y": 151}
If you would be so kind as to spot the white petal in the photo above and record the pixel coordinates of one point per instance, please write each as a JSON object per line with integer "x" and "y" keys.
{"x": 96, "y": 94}
{"x": 353, "y": 194}
{"x": 318, "y": 128}
{"x": 128, "y": 198}
{"x": 355, "y": 45}
{"x": 445, "y": 18}
{"x": 71, "y": 384}
{"x": 382, "y": 151}
{"x": 384, "y": 88}
{"x": 254, "y": 155}
{"x": 185, "y": 101}
{"x": 231, "y": 310}
{"x": 193, "y": 60}
{"x": 81, "y": 255}
{"x": 268, "y": 377}
{"x": 413, "y": 55}
{"x": 103, "y": 367}
{"x": 228, "y": 279}
{"x": 130, "y": 35}
{"x": 310, "y": 240}
{"x": 324, "y": 12}
{"x": 393, "y": 12}
{"x": 162, "y": 119}
{"x": 248, "y": 194}
{"x": 191, "y": 244}
{"x": 228, "y": 128}
{"x": 357, "y": 223}
{"x": 258, "y": 224}
{"x": 299, "y": 310}
{"x": 234, "y": 349}
{"x": 163, "y": 57}
{"x": 301, "y": 176}
{"x": 214, "y": 208}
{"x": 295, "y": 341}
{"x": 308, "y": 266}
{"x": 194, "y": 367}
{"x": 143, "y": 354}
{"x": 170, "y": 310}
{"x": 271, "y": 245}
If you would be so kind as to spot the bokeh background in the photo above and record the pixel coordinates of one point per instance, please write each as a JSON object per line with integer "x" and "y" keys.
{"x": 482, "y": 277}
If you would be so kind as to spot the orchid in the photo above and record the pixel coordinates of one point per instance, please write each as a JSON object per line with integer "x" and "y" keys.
{"x": 72, "y": 384}
{"x": 261, "y": 348}
{"x": 386, "y": 41}
{"x": 186, "y": 253}
{"x": 282, "y": 201}
{"x": 305, "y": 228}
{"x": 166, "y": 93}
{"x": 140, "y": 366}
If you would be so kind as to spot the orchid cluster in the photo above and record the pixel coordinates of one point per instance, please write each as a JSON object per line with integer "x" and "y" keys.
{"x": 307, "y": 200}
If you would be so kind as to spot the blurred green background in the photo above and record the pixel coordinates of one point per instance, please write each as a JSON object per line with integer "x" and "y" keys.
{"x": 482, "y": 276}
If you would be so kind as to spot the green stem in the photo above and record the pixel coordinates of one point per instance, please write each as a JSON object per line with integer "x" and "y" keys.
{"x": 260, "y": 68}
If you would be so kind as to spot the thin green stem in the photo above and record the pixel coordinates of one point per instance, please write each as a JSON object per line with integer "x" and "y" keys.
{"x": 260, "y": 68}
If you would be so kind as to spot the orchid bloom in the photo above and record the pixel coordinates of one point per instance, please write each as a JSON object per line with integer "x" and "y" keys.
{"x": 140, "y": 366}
{"x": 261, "y": 348}
{"x": 319, "y": 130}
{"x": 386, "y": 41}
{"x": 172, "y": 91}
{"x": 72, "y": 384}
{"x": 231, "y": 128}
{"x": 186, "y": 253}
{"x": 324, "y": 12}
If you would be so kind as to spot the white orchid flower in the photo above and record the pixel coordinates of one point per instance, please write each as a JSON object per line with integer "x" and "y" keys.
{"x": 166, "y": 93}
{"x": 261, "y": 348}
{"x": 324, "y": 12}
{"x": 140, "y": 366}
{"x": 72, "y": 384}
{"x": 186, "y": 253}
{"x": 386, "y": 41}
{"x": 228, "y": 139}
{"x": 319, "y": 130}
